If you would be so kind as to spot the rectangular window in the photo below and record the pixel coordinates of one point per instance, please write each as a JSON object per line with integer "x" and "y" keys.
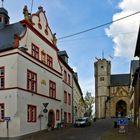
{"x": 65, "y": 97}
{"x": 68, "y": 79}
{"x": 2, "y": 112}
{"x": 57, "y": 115}
{"x": 2, "y": 77}
{"x": 31, "y": 113}
{"x": 31, "y": 81}
{"x": 65, "y": 76}
{"x": 43, "y": 56}
{"x": 52, "y": 87}
{"x": 69, "y": 99}
{"x": 65, "y": 117}
{"x": 49, "y": 61}
{"x": 35, "y": 51}
{"x": 101, "y": 78}
{"x": 69, "y": 117}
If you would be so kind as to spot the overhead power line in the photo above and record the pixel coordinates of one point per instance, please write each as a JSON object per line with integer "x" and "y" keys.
{"x": 99, "y": 26}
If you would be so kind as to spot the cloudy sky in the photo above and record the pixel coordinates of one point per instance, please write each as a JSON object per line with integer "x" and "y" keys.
{"x": 66, "y": 17}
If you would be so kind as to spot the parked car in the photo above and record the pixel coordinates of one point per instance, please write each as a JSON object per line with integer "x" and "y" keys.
{"x": 81, "y": 122}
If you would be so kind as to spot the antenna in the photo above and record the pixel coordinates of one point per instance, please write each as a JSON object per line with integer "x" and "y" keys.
{"x": 2, "y": 2}
{"x": 110, "y": 57}
{"x": 102, "y": 54}
{"x": 96, "y": 58}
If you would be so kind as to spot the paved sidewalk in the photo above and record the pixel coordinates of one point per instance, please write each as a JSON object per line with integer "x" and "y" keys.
{"x": 132, "y": 133}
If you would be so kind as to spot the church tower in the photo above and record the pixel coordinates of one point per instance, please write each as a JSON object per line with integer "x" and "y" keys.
{"x": 4, "y": 18}
{"x": 102, "y": 72}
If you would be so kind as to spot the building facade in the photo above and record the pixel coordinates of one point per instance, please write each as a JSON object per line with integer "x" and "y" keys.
{"x": 135, "y": 85}
{"x": 33, "y": 76}
{"x": 111, "y": 91}
{"x": 78, "y": 101}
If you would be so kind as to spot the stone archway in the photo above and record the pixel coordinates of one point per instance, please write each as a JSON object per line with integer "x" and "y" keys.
{"x": 121, "y": 108}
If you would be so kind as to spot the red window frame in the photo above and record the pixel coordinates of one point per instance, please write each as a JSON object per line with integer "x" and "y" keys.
{"x": 31, "y": 113}
{"x": 65, "y": 97}
{"x": 69, "y": 79}
{"x": 65, "y": 76}
{"x": 49, "y": 61}
{"x": 2, "y": 77}
{"x": 35, "y": 51}
{"x": 31, "y": 81}
{"x": 65, "y": 117}
{"x": 43, "y": 56}
{"x": 2, "y": 112}
{"x": 69, "y": 98}
{"x": 52, "y": 89}
{"x": 57, "y": 115}
{"x": 69, "y": 117}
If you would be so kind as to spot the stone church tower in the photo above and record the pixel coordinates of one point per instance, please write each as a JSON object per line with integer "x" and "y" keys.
{"x": 102, "y": 81}
{"x": 111, "y": 91}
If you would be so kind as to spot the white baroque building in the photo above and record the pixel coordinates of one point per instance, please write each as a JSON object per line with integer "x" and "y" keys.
{"x": 36, "y": 83}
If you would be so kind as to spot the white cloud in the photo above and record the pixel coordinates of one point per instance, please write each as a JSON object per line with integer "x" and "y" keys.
{"x": 124, "y": 32}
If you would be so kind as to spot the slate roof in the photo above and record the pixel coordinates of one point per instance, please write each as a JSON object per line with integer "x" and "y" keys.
{"x": 120, "y": 80}
{"x": 63, "y": 53}
{"x": 7, "y": 35}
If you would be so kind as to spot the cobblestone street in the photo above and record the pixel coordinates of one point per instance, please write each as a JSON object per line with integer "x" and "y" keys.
{"x": 132, "y": 133}
{"x": 93, "y": 132}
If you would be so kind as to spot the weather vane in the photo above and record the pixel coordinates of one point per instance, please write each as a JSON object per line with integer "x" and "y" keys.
{"x": 2, "y": 2}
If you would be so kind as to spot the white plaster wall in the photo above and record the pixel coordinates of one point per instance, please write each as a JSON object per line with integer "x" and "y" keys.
{"x": 30, "y": 38}
{"x": 10, "y": 64}
{"x": 42, "y": 74}
{"x": 66, "y": 107}
{"x": 9, "y": 98}
{"x": 25, "y": 98}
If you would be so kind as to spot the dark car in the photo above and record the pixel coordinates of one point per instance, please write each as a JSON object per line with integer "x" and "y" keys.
{"x": 81, "y": 122}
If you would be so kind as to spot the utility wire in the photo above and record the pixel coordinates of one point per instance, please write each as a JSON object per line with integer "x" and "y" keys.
{"x": 99, "y": 26}
{"x": 99, "y": 36}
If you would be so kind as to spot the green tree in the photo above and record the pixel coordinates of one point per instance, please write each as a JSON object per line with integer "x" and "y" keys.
{"x": 89, "y": 101}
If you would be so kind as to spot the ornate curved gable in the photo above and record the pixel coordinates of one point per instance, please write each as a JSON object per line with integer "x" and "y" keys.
{"x": 40, "y": 23}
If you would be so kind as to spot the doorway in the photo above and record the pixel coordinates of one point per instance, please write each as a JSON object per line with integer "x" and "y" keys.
{"x": 121, "y": 108}
{"x": 51, "y": 118}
